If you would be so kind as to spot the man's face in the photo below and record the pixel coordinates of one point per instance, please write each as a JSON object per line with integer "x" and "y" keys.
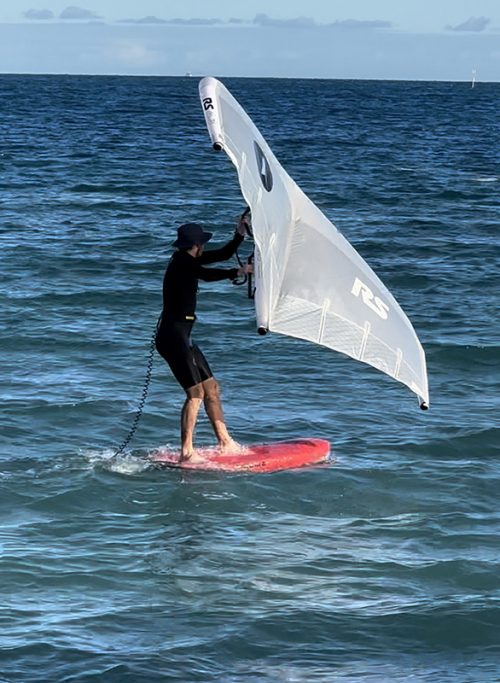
{"x": 199, "y": 250}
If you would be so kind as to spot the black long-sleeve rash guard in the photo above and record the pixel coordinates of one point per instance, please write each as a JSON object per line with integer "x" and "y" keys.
{"x": 180, "y": 283}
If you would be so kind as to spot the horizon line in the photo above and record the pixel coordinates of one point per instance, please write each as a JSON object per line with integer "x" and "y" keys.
{"x": 200, "y": 76}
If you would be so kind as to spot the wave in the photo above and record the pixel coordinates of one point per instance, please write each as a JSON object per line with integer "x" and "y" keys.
{"x": 478, "y": 354}
{"x": 473, "y": 446}
{"x": 487, "y": 179}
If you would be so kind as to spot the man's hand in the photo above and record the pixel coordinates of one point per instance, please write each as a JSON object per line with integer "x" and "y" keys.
{"x": 244, "y": 270}
{"x": 242, "y": 226}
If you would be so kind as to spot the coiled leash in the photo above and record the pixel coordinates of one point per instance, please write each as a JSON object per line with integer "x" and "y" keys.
{"x": 144, "y": 394}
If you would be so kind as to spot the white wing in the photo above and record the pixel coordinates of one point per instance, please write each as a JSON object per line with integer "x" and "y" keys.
{"x": 310, "y": 282}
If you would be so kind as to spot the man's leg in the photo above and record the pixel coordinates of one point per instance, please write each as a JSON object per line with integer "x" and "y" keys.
{"x": 213, "y": 408}
{"x": 189, "y": 414}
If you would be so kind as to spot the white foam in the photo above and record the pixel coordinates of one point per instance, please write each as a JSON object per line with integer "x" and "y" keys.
{"x": 125, "y": 463}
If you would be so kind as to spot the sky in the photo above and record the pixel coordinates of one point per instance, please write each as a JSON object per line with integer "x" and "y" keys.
{"x": 381, "y": 39}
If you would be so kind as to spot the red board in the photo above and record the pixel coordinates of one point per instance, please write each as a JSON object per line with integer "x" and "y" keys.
{"x": 271, "y": 457}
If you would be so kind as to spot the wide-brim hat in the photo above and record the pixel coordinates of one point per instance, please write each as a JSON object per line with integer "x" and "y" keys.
{"x": 190, "y": 234}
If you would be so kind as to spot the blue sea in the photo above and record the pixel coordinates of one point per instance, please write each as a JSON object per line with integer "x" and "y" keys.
{"x": 382, "y": 566}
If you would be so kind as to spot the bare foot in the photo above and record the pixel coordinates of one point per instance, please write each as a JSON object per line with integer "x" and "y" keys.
{"x": 231, "y": 447}
{"x": 191, "y": 457}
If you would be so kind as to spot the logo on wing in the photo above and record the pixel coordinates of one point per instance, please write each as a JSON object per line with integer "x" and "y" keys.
{"x": 359, "y": 289}
{"x": 264, "y": 169}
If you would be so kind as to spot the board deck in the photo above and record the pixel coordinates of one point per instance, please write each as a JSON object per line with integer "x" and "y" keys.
{"x": 270, "y": 457}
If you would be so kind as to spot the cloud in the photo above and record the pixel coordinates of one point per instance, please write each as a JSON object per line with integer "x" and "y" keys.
{"x": 307, "y": 22}
{"x": 145, "y": 20}
{"x": 196, "y": 22}
{"x": 38, "y": 14}
{"x": 357, "y": 24}
{"x": 176, "y": 22}
{"x": 134, "y": 53}
{"x": 262, "y": 20}
{"x": 77, "y": 13}
{"x": 298, "y": 22}
{"x": 473, "y": 24}
{"x": 112, "y": 48}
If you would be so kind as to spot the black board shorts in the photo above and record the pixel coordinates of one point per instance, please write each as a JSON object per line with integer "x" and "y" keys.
{"x": 188, "y": 364}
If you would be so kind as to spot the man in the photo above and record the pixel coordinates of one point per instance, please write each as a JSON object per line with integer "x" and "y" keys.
{"x": 173, "y": 339}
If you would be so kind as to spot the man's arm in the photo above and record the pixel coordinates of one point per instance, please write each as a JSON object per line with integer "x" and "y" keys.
{"x": 215, "y": 274}
{"x": 222, "y": 254}
{"x": 225, "y": 252}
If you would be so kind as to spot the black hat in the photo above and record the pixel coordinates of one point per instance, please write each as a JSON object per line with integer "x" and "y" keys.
{"x": 190, "y": 234}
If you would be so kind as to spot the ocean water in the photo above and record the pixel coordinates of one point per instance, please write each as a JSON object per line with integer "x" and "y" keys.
{"x": 382, "y": 566}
